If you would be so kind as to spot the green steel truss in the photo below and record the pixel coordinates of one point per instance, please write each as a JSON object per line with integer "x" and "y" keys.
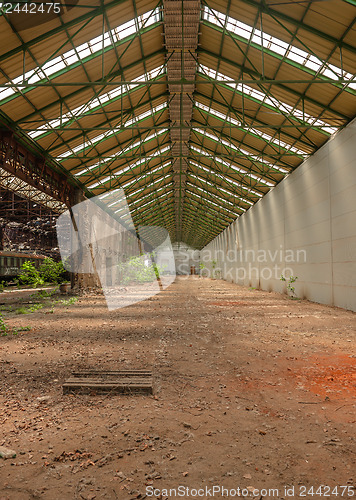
{"x": 103, "y": 118}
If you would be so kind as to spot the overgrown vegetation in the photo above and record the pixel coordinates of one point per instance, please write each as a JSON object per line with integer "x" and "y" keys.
{"x": 202, "y": 266}
{"x": 52, "y": 271}
{"x": 67, "y": 302}
{"x": 290, "y": 286}
{"x": 29, "y": 275}
{"x": 135, "y": 270}
{"x": 27, "y": 310}
{"x": 5, "y": 330}
{"x": 3, "y": 327}
{"x": 216, "y": 272}
{"x": 41, "y": 299}
{"x": 43, "y": 294}
{"x": 49, "y": 271}
{"x": 37, "y": 306}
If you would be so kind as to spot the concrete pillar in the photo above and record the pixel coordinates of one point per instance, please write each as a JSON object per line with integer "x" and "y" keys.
{"x": 83, "y": 281}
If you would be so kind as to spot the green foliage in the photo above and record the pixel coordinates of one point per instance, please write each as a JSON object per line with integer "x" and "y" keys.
{"x": 216, "y": 272}
{"x": 68, "y": 302}
{"x": 52, "y": 271}
{"x": 3, "y": 327}
{"x": 202, "y": 268}
{"x": 6, "y": 308}
{"x": 43, "y": 294}
{"x": 2, "y": 286}
{"x": 15, "y": 331}
{"x": 28, "y": 310}
{"x": 29, "y": 275}
{"x": 136, "y": 271}
{"x": 290, "y": 287}
{"x": 5, "y": 330}
{"x": 49, "y": 271}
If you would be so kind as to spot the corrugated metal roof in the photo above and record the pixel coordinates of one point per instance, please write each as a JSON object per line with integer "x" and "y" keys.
{"x": 238, "y": 117}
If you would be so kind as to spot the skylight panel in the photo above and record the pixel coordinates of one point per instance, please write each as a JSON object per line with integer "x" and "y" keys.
{"x": 94, "y": 46}
{"x": 110, "y": 158}
{"x": 212, "y": 185}
{"x": 149, "y": 172}
{"x": 210, "y": 209}
{"x": 218, "y": 114}
{"x": 105, "y": 135}
{"x": 150, "y": 184}
{"x": 268, "y": 100}
{"x": 79, "y": 111}
{"x": 110, "y": 193}
{"x": 208, "y": 201}
{"x": 227, "y": 164}
{"x": 232, "y": 146}
{"x": 274, "y": 44}
{"x": 149, "y": 202}
{"x": 265, "y": 136}
{"x": 225, "y": 179}
{"x": 215, "y": 196}
{"x": 118, "y": 173}
{"x": 278, "y": 142}
{"x": 220, "y": 188}
{"x": 126, "y": 29}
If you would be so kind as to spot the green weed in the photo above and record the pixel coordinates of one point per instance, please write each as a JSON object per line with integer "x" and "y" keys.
{"x": 290, "y": 287}
{"x": 30, "y": 309}
{"x": 67, "y": 302}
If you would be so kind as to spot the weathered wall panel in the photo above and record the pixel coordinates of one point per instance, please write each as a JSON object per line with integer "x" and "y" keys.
{"x": 307, "y": 223}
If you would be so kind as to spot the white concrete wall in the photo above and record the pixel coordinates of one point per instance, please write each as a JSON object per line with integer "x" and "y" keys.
{"x": 311, "y": 213}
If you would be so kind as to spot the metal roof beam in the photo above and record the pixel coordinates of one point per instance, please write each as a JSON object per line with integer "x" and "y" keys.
{"x": 265, "y": 8}
{"x": 255, "y": 122}
{"x": 203, "y": 216}
{"x": 85, "y": 85}
{"x": 198, "y": 198}
{"x": 92, "y": 14}
{"x": 227, "y": 197}
{"x": 256, "y": 79}
{"x": 316, "y": 76}
{"x": 233, "y": 156}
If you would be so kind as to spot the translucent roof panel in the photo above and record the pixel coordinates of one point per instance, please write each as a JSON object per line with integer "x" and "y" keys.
{"x": 267, "y": 99}
{"x": 114, "y": 131}
{"x": 288, "y": 51}
{"x": 70, "y": 58}
{"x": 195, "y": 115}
{"x": 96, "y": 103}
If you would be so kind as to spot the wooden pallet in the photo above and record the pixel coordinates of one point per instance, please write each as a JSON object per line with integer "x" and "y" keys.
{"x": 115, "y": 382}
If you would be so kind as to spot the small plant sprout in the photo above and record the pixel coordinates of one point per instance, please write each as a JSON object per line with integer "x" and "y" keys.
{"x": 216, "y": 272}
{"x": 202, "y": 266}
{"x": 3, "y": 327}
{"x": 290, "y": 287}
{"x": 5, "y": 330}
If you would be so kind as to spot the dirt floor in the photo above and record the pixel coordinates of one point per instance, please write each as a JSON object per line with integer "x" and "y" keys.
{"x": 254, "y": 393}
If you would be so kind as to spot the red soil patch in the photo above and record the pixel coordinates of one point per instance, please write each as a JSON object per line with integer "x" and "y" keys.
{"x": 330, "y": 374}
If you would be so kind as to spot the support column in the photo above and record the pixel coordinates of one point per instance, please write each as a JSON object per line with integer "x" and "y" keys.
{"x": 83, "y": 281}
